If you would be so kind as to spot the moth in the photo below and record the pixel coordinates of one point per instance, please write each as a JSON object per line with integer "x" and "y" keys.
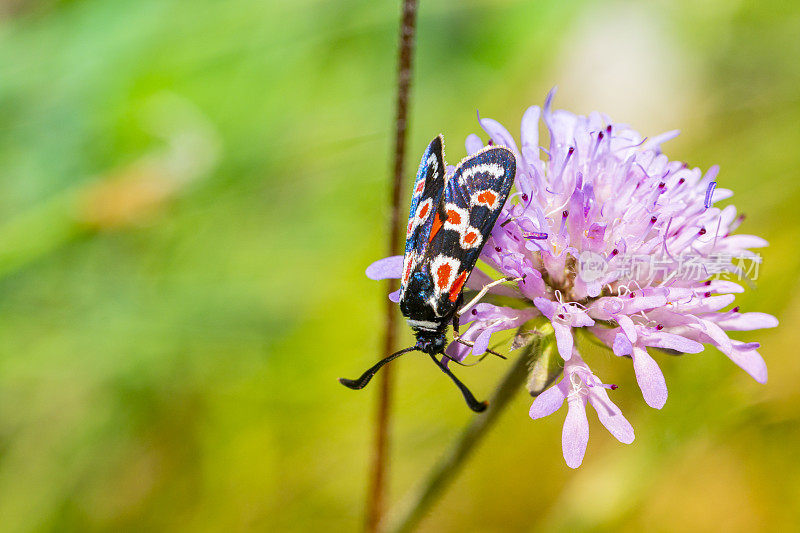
{"x": 449, "y": 222}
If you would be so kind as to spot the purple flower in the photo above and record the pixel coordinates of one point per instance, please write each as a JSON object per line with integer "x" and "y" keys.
{"x": 590, "y": 210}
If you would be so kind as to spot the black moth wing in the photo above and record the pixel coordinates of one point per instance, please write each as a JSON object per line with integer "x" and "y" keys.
{"x": 473, "y": 199}
{"x": 426, "y": 196}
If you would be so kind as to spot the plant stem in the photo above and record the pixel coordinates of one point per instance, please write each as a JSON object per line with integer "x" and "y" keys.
{"x": 445, "y": 471}
{"x": 380, "y": 462}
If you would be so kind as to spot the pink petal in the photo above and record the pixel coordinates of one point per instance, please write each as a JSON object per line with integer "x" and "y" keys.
{"x": 499, "y": 134}
{"x": 627, "y": 326}
{"x": 721, "y": 286}
{"x": 395, "y": 296}
{"x": 478, "y": 279}
{"x": 610, "y": 416}
{"x": 714, "y": 332}
{"x": 458, "y": 350}
{"x": 749, "y": 360}
{"x": 564, "y": 340}
{"x": 386, "y": 268}
{"x": 650, "y": 379}
{"x": 547, "y": 402}
{"x": 529, "y": 133}
{"x": 473, "y": 144}
{"x": 744, "y": 241}
{"x": 672, "y": 341}
{"x": 575, "y": 435}
{"x": 482, "y": 342}
{"x": 747, "y": 321}
{"x": 644, "y": 303}
{"x": 547, "y": 307}
{"x": 622, "y": 346}
{"x": 655, "y": 142}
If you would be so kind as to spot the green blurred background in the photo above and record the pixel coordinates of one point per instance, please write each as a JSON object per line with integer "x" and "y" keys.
{"x": 191, "y": 191}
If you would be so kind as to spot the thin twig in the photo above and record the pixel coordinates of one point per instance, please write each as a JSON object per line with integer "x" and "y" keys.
{"x": 377, "y": 484}
{"x": 445, "y": 471}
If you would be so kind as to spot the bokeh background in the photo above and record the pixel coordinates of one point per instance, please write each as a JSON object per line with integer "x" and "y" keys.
{"x": 190, "y": 192}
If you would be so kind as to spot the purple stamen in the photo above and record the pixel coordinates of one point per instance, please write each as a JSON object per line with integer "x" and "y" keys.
{"x": 709, "y": 192}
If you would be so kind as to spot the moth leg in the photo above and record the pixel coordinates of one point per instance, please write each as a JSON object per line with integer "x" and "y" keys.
{"x": 456, "y": 315}
{"x": 483, "y": 292}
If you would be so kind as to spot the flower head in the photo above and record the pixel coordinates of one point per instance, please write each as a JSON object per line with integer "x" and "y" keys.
{"x": 610, "y": 236}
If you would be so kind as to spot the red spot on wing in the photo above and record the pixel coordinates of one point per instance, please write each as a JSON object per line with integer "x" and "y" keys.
{"x": 470, "y": 237}
{"x": 453, "y": 217}
{"x": 443, "y": 276}
{"x": 420, "y": 186}
{"x": 457, "y": 284}
{"x": 424, "y": 211}
{"x": 409, "y": 265}
{"x": 437, "y": 223}
{"x": 487, "y": 197}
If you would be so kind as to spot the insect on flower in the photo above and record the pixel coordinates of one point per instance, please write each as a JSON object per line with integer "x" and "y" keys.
{"x": 450, "y": 220}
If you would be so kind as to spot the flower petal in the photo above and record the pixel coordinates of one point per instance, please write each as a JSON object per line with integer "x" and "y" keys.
{"x": 547, "y": 402}
{"x": 473, "y": 144}
{"x": 650, "y": 379}
{"x": 564, "y": 340}
{"x": 529, "y": 133}
{"x": 671, "y": 341}
{"x": 610, "y": 415}
{"x": 458, "y": 350}
{"x": 622, "y": 345}
{"x": 395, "y": 296}
{"x": 749, "y": 360}
{"x": 546, "y": 306}
{"x": 627, "y": 326}
{"x": 499, "y": 134}
{"x": 482, "y": 342}
{"x": 747, "y": 321}
{"x": 575, "y": 435}
{"x": 386, "y": 268}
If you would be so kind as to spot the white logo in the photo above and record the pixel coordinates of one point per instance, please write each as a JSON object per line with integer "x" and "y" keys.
{"x": 591, "y": 266}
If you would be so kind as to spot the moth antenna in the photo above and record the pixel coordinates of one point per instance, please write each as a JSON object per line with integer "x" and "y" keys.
{"x": 365, "y": 378}
{"x": 473, "y": 404}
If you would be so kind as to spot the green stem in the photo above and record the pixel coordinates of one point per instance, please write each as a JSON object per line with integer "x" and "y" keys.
{"x": 445, "y": 471}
